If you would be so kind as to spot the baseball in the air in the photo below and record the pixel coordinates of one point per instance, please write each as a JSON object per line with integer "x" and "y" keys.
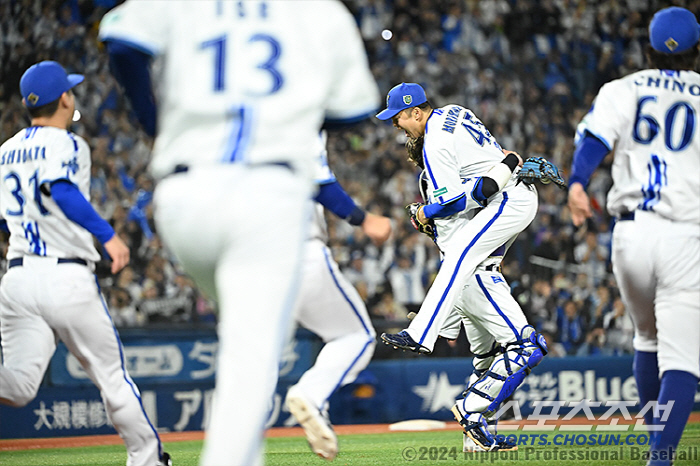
{"x": 387, "y": 34}
{"x": 76, "y": 115}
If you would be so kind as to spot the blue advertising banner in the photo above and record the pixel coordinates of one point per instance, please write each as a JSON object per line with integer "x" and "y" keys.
{"x": 176, "y": 379}
{"x": 176, "y": 360}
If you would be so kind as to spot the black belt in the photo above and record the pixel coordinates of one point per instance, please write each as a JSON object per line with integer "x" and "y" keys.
{"x": 182, "y": 168}
{"x": 493, "y": 268}
{"x": 627, "y": 216}
{"x": 18, "y": 261}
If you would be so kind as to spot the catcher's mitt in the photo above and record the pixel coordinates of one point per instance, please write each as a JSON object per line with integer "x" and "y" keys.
{"x": 427, "y": 228}
{"x": 538, "y": 168}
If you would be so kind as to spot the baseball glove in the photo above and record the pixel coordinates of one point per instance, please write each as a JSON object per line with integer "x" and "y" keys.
{"x": 538, "y": 168}
{"x": 427, "y": 228}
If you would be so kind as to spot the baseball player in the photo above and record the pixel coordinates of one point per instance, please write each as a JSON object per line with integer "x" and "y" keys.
{"x": 329, "y": 306}
{"x": 50, "y": 291}
{"x": 504, "y": 344}
{"x": 457, "y": 149}
{"x": 243, "y": 89}
{"x": 650, "y": 118}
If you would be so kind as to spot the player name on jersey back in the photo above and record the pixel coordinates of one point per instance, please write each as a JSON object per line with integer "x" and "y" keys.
{"x": 671, "y": 83}
{"x": 24, "y": 155}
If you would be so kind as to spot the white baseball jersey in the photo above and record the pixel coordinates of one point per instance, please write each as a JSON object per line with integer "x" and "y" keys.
{"x": 457, "y": 150}
{"x": 234, "y": 70}
{"x": 33, "y": 157}
{"x": 651, "y": 118}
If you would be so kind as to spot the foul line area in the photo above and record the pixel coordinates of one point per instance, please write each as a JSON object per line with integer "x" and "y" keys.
{"x": 169, "y": 437}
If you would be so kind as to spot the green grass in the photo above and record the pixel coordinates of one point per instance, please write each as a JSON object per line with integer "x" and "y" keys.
{"x": 368, "y": 450}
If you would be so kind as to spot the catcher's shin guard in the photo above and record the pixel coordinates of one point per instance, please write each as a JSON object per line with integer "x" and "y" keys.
{"x": 505, "y": 375}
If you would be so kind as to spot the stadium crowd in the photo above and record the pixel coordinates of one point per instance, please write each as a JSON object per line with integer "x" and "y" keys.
{"x": 529, "y": 69}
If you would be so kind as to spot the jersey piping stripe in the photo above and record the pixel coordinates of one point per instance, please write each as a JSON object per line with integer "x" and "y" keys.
{"x": 459, "y": 263}
{"x": 235, "y": 150}
{"x": 354, "y": 309}
{"x": 134, "y": 390}
{"x": 352, "y": 364}
{"x": 335, "y": 280}
{"x": 495, "y": 306}
{"x": 427, "y": 164}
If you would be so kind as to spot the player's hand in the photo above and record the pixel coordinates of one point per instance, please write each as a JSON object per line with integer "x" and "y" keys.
{"x": 118, "y": 252}
{"x": 377, "y": 228}
{"x": 419, "y": 221}
{"x": 579, "y": 204}
{"x": 508, "y": 152}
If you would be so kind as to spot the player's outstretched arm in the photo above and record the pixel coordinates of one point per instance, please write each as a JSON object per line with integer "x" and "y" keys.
{"x": 118, "y": 251}
{"x": 376, "y": 227}
{"x": 333, "y": 197}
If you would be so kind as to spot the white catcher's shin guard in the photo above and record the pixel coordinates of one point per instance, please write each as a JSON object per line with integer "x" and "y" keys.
{"x": 505, "y": 375}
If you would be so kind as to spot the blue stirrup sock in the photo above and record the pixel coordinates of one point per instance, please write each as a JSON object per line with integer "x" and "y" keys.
{"x": 646, "y": 374}
{"x": 679, "y": 387}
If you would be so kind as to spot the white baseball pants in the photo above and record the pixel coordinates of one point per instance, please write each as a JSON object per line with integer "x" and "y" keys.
{"x": 238, "y": 231}
{"x": 330, "y": 307}
{"x": 41, "y": 301}
{"x": 657, "y": 266}
{"x": 506, "y": 215}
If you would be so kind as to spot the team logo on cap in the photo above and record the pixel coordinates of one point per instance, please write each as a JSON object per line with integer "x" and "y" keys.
{"x": 32, "y": 98}
{"x": 671, "y": 44}
{"x": 407, "y": 99}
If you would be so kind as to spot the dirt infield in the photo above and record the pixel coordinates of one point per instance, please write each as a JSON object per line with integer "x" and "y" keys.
{"x": 93, "y": 440}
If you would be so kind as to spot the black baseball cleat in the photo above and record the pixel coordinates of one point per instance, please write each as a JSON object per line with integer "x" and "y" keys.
{"x": 165, "y": 460}
{"x": 404, "y": 341}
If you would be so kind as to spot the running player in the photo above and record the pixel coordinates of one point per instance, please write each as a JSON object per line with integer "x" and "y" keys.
{"x": 50, "y": 290}
{"x": 650, "y": 120}
{"x": 243, "y": 89}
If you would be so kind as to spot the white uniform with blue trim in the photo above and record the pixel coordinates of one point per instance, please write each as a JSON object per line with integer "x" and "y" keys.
{"x": 242, "y": 88}
{"x": 44, "y": 297}
{"x": 330, "y": 307}
{"x": 651, "y": 119}
{"x": 457, "y": 149}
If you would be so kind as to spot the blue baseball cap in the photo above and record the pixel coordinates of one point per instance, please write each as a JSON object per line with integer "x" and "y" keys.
{"x": 674, "y": 30}
{"x": 45, "y": 82}
{"x": 401, "y": 97}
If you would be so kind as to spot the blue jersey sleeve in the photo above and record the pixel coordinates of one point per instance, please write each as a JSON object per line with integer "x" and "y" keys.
{"x": 333, "y": 197}
{"x": 589, "y": 154}
{"x": 131, "y": 68}
{"x": 437, "y": 210}
{"x": 77, "y": 209}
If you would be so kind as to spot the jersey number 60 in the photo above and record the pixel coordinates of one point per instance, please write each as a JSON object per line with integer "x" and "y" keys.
{"x": 652, "y": 126}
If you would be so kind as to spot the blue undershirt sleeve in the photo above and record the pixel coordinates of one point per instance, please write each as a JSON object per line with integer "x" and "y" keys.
{"x": 333, "y": 197}
{"x": 437, "y": 210}
{"x": 589, "y": 154}
{"x": 131, "y": 68}
{"x": 74, "y": 205}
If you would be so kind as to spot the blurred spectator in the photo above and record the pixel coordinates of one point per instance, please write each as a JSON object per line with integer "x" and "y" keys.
{"x": 570, "y": 326}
